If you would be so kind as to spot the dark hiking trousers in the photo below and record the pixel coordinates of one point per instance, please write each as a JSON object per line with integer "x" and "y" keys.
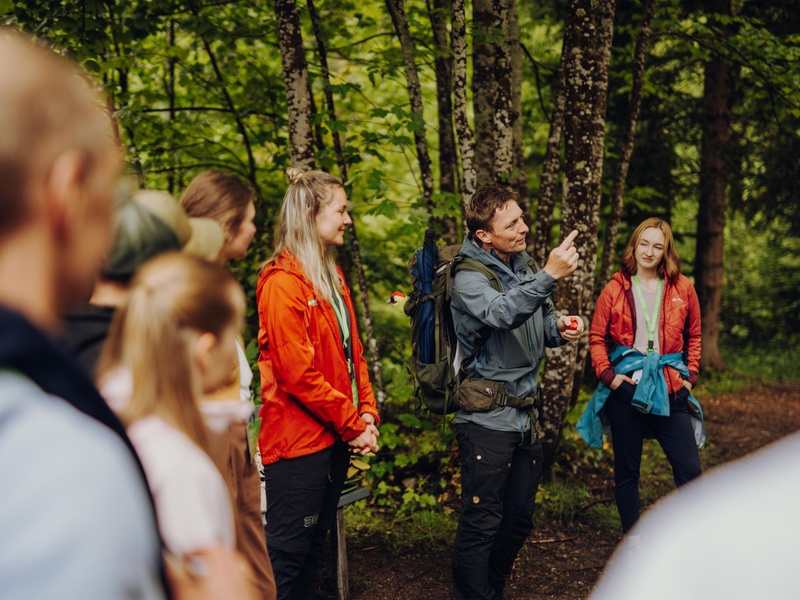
{"x": 302, "y": 499}
{"x": 628, "y": 430}
{"x": 500, "y": 473}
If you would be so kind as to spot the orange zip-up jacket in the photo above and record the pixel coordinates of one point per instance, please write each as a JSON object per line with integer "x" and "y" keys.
{"x": 305, "y": 385}
{"x": 614, "y": 324}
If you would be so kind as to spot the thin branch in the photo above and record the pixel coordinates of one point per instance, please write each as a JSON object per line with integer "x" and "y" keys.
{"x": 201, "y": 165}
{"x": 222, "y": 109}
{"x": 237, "y": 117}
{"x": 536, "y": 74}
{"x": 735, "y": 52}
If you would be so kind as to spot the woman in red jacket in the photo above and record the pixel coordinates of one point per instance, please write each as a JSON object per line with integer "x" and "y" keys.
{"x": 318, "y": 402}
{"x": 651, "y": 307}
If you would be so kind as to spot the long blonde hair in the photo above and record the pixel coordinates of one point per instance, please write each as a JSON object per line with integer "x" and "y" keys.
{"x": 308, "y": 193}
{"x": 173, "y": 297}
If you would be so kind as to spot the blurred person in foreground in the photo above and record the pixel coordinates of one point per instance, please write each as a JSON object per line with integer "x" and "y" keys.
{"x": 174, "y": 337}
{"x": 76, "y": 518}
{"x": 731, "y": 534}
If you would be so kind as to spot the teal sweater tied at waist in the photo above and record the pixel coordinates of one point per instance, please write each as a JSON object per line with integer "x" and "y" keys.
{"x": 652, "y": 394}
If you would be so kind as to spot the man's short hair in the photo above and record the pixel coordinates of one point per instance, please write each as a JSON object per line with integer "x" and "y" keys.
{"x": 47, "y": 107}
{"x": 484, "y": 203}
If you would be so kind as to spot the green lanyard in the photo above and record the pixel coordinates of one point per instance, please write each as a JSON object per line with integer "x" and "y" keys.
{"x": 649, "y": 319}
{"x": 343, "y": 317}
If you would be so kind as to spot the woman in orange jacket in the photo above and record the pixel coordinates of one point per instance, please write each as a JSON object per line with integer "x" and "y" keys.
{"x": 651, "y": 307}
{"x": 318, "y": 404}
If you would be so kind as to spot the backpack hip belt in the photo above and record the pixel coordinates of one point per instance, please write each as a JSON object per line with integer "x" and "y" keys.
{"x": 484, "y": 395}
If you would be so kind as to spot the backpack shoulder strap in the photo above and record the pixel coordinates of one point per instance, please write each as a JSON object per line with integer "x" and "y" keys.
{"x": 470, "y": 264}
{"x": 531, "y": 263}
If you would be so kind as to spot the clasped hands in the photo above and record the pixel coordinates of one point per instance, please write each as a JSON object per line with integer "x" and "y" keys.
{"x": 367, "y": 442}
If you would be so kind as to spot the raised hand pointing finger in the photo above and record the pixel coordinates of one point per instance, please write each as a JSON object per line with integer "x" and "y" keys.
{"x": 569, "y": 240}
{"x": 563, "y": 260}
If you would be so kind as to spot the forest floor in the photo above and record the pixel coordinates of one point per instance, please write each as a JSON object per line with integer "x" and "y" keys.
{"x": 564, "y": 560}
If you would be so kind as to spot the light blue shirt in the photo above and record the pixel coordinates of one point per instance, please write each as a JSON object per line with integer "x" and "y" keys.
{"x": 75, "y": 520}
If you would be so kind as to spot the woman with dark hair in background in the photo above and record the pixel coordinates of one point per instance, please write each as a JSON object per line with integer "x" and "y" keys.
{"x": 229, "y": 201}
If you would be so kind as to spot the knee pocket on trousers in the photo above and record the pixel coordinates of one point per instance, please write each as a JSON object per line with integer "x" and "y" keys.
{"x": 484, "y": 474}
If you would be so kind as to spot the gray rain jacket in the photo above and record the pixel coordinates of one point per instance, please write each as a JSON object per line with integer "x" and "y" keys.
{"x": 522, "y": 322}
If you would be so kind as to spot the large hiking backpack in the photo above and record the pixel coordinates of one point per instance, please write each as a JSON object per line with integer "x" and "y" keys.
{"x": 433, "y": 336}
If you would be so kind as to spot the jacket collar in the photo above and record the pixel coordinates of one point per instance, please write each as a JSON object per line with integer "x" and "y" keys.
{"x": 26, "y": 349}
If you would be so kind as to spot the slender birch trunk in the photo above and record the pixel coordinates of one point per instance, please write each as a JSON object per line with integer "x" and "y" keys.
{"x": 369, "y": 327}
{"x": 552, "y": 164}
{"x": 504, "y": 117}
{"x": 606, "y": 10}
{"x": 295, "y": 76}
{"x": 397, "y": 12}
{"x": 626, "y": 149}
{"x": 484, "y": 90}
{"x": 443, "y": 66}
{"x": 581, "y": 198}
{"x": 460, "y": 107}
{"x": 519, "y": 179}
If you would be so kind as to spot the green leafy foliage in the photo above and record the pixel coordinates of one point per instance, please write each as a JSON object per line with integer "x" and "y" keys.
{"x": 199, "y": 88}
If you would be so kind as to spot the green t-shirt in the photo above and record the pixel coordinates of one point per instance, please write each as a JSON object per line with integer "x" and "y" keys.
{"x": 343, "y": 317}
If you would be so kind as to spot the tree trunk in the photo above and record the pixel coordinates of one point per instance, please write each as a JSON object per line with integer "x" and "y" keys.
{"x": 519, "y": 179}
{"x": 169, "y": 85}
{"x": 443, "y": 64}
{"x": 626, "y": 149}
{"x": 463, "y": 130}
{"x": 504, "y": 118}
{"x": 585, "y": 87}
{"x": 716, "y": 131}
{"x": 369, "y": 327}
{"x": 398, "y": 14}
{"x": 551, "y": 164}
{"x": 484, "y": 90}
{"x": 295, "y": 76}
{"x": 605, "y": 34}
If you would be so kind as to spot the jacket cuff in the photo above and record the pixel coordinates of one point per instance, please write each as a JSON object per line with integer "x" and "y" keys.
{"x": 607, "y": 376}
{"x": 546, "y": 283}
{"x": 692, "y": 378}
{"x": 374, "y": 413}
{"x": 352, "y": 433}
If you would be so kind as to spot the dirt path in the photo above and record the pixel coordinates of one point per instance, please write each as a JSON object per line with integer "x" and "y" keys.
{"x": 565, "y": 562}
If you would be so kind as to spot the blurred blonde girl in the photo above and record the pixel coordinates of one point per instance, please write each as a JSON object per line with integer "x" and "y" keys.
{"x": 173, "y": 340}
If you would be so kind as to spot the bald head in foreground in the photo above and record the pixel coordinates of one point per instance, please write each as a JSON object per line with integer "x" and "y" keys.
{"x": 76, "y": 519}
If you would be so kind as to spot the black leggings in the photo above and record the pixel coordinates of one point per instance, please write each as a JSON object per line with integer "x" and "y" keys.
{"x": 302, "y": 499}
{"x": 628, "y": 428}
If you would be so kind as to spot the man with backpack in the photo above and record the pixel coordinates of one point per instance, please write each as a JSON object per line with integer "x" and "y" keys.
{"x": 502, "y": 334}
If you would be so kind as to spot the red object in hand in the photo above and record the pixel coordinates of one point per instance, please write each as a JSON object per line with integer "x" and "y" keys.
{"x": 573, "y": 323}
